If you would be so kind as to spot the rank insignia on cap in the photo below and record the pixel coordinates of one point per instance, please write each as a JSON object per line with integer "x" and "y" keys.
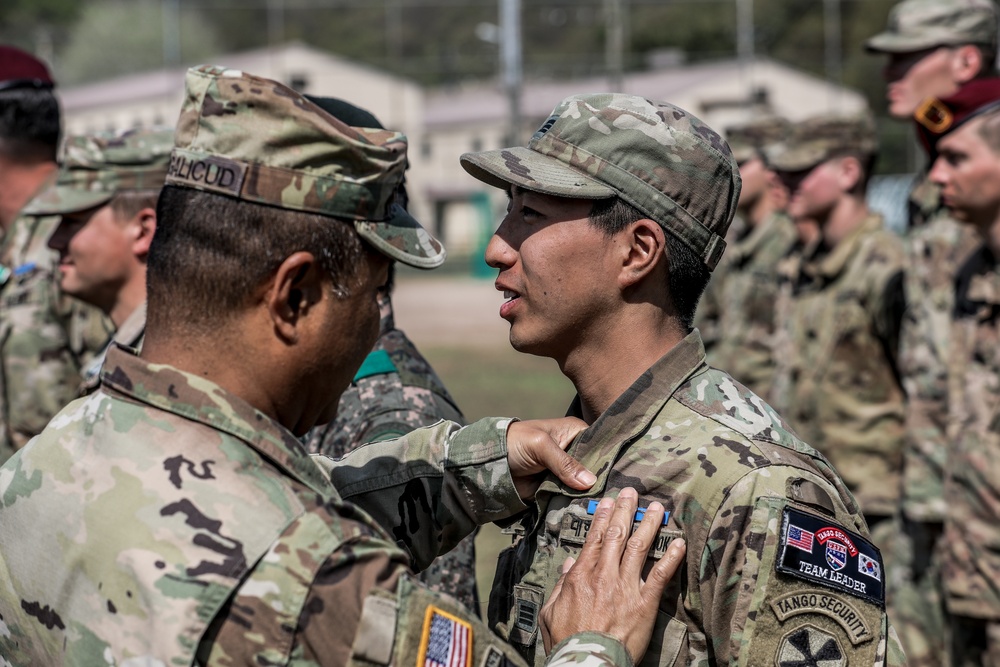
{"x": 934, "y": 115}
{"x": 845, "y": 561}
{"x": 446, "y": 640}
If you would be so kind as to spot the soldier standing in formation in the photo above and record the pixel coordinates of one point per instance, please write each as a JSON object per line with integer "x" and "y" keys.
{"x": 105, "y": 198}
{"x": 617, "y": 212}
{"x": 46, "y": 338}
{"x": 394, "y": 392}
{"x": 184, "y": 521}
{"x": 934, "y": 48}
{"x": 843, "y": 320}
{"x": 736, "y": 316}
{"x": 963, "y": 131}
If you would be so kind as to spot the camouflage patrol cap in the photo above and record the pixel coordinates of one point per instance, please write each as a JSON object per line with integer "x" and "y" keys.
{"x": 915, "y": 25}
{"x": 821, "y": 138}
{"x": 96, "y": 167}
{"x": 655, "y": 156}
{"x": 752, "y": 139}
{"x": 254, "y": 139}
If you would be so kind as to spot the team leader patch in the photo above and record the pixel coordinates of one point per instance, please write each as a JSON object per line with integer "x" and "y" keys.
{"x": 820, "y": 551}
{"x": 446, "y": 640}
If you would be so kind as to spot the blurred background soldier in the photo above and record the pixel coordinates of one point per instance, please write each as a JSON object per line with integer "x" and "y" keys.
{"x": 45, "y": 337}
{"x": 963, "y": 130}
{"x": 105, "y": 198}
{"x": 847, "y": 302}
{"x": 394, "y": 392}
{"x": 933, "y": 48}
{"x": 742, "y": 292}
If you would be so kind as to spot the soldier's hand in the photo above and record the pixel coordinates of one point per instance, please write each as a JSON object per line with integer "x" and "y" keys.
{"x": 603, "y": 591}
{"x": 535, "y": 447}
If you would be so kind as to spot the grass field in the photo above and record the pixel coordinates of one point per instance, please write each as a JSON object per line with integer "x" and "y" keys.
{"x": 499, "y": 382}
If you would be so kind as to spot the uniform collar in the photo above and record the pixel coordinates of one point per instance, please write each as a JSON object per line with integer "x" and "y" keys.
{"x": 749, "y": 245}
{"x": 200, "y": 400}
{"x": 131, "y": 330}
{"x": 826, "y": 266}
{"x": 631, "y": 414}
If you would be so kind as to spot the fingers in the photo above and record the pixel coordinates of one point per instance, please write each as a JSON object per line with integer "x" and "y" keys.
{"x": 637, "y": 550}
{"x": 664, "y": 571}
{"x": 619, "y": 529}
{"x": 569, "y": 471}
{"x": 591, "y": 551}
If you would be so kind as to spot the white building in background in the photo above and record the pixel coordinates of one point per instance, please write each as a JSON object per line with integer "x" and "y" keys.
{"x": 444, "y": 123}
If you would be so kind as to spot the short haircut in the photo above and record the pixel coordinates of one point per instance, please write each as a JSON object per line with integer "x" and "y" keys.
{"x": 988, "y": 56}
{"x": 989, "y": 130}
{"x": 211, "y": 252}
{"x": 29, "y": 124}
{"x": 128, "y": 203}
{"x": 687, "y": 274}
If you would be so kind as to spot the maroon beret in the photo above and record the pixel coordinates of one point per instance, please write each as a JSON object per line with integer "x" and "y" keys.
{"x": 20, "y": 69}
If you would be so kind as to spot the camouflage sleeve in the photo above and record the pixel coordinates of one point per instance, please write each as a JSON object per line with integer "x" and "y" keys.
{"x": 432, "y": 487}
{"x": 360, "y": 606}
{"x": 788, "y": 582}
{"x": 48, "y": 336}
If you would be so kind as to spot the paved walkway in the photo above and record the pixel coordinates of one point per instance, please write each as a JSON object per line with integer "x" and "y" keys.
{"x": 450, "y": 311}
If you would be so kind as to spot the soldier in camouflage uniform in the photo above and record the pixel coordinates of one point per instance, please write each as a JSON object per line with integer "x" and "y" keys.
{"x": 184, "y": 522}
{"x": 843, "y": 320}
{"x": 394, "y": 392}
{"x": 933, "y": 48}
{"x": 105, "y": 198}
{"x": 743, "y": 289}
{"x": 45, "y": 337}
{"x": 963, "y": 130}
{"x": 617, "y": 212}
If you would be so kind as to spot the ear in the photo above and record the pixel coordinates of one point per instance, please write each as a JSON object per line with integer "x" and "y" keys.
{"x": 849, "y": 173}
{"x": 143, "y": 227}
{"x": 294, "y": 293}
{"x": 966, "y": 63}
{"x": 644, "y": 245}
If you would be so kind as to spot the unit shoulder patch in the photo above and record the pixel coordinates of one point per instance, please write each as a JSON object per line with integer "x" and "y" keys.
{"x": 823, "y": 602}
{"x": 808, "y": 645}
{"x": 822, "y": 552}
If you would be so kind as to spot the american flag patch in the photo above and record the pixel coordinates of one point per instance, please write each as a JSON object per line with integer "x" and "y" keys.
{"x": 799, "y": 538}
{"x": 446, "y": 641}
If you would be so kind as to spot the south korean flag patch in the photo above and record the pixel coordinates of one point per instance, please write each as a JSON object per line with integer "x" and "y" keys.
{"x": 820, "y": 551}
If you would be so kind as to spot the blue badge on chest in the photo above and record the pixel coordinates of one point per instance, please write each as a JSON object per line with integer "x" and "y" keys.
{"x": 639, "y": 513}
{"x": 817, "y": 550}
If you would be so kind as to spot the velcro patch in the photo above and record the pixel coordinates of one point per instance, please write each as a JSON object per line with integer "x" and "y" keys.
{"x": 446, "y": 640}
{"x": 206, "y": 172}
{"x": 827, "y": 604}
{"x": 817, "y": 550}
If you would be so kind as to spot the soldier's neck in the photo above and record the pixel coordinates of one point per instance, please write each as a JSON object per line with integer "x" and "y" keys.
{"x": 19, "y": 183}
{"x": 848, "y": 214}
{"x": 601, "y": 369}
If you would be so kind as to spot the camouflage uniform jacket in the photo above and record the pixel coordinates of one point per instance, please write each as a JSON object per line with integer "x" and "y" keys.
{"x": 935, "y": 250}
{"x": 971, "y": 544}
{"x": 129, "y": 334}
{"x": 846, "y": 398}
{"x": 396, "y": 391}
{"x": 745, "y": 285}
{"x": 183, "y": 525}
{"x": 46, "y": 337}
{"x": 757, "y": 508}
